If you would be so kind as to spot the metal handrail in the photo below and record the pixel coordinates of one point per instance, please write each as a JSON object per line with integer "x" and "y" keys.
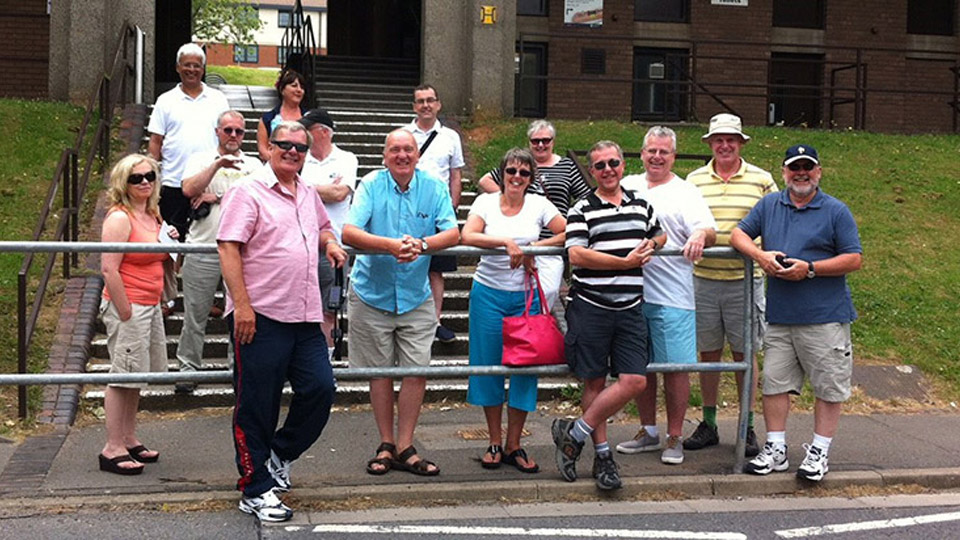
{"x": 102, "y": 102}
{"x": 299, "y": 42}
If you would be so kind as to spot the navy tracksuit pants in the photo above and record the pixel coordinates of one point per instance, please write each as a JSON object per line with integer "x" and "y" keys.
{"x": 279, "y": 351}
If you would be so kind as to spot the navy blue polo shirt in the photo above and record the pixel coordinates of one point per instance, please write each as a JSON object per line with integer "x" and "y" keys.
{"x": 820, "y": 230}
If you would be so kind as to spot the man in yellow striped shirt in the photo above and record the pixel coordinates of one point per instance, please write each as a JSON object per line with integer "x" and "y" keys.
{"x": 731, "y": 187}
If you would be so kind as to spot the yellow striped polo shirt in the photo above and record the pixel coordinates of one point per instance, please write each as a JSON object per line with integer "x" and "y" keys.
{"x": 730, "y": 202}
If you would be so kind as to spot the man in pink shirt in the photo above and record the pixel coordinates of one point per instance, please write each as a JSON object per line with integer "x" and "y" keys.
{"x": 271, "y": 231}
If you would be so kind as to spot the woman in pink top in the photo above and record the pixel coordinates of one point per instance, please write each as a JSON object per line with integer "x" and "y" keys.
{"x": 131, "y": 307}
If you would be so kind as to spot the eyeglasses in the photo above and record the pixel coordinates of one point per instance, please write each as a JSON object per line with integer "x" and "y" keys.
{"x": 425, "y": 101}
{"x": 137, "y": 178}
{"x": 542, "y": 140}
{"x": 601, "y": 165}
{"x": 803, "y": 164}
{"x": 287, "y": 145}
{"x": 522, "y": 172}
{"x": 231, "y": 131}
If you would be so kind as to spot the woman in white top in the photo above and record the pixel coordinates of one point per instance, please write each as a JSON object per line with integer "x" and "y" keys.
{"x": 508, "y": 219}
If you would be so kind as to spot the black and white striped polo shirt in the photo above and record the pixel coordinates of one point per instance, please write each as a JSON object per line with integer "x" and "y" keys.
{"x": 615, "y": 230}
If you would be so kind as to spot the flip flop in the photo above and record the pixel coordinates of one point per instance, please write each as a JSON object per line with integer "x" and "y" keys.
{"x": 112, "y": 465}
{"x": 494, "y": 450}
{"x": 420, "y": 467}
{"x": 385, "y": 462}
{"x": 136, "y": 452}
{"x": 520, "y": 453}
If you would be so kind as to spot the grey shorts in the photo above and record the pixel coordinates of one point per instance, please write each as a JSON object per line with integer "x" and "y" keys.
{"x": 136, "y": 345}
{"x": 602, "y": 341}
{"x": 383, "y": 339}
{"x": 720, "y": 314}
{"x": 821, "y": 351}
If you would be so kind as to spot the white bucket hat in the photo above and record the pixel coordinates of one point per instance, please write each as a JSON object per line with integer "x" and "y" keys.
{"x": 726, "y": 124}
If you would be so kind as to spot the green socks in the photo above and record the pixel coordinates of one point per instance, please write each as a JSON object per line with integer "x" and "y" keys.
{"x": 710, "y": 415}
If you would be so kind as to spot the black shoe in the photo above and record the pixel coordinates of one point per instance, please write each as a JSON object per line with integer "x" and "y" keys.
{"x": 607, "y": 472}
{"x": 445, "y": 335}
{"x": 753, "y": 449}
{"x": 568, "y": 449}
{"x": 185, "y": 387}
{"x": 704, "y": 436}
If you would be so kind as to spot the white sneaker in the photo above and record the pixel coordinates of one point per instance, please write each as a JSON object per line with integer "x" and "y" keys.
{"x": 641, "y": 442}
{"x": 280, "y": 471}
{"x": 673, "y": 452}
{"x": 814, "y": 466}
{"x": 267, "y": 507}
{"x": 773, "y": 457}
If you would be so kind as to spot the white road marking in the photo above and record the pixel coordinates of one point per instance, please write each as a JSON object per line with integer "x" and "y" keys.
{"x": 868, "y": 525}
{"x": 523, "y": 531}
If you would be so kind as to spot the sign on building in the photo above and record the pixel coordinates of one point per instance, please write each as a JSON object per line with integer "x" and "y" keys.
{"x": 741, "y": 3}
{"x": 583, "y": 13}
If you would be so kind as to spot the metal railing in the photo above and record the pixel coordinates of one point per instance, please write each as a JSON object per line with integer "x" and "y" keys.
{"x": 300, "y": 43}
{"x": 223, "y": 376}
{"x": 67, "y": 179}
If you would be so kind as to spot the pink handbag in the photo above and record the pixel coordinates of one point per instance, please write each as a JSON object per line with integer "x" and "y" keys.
{"x": 532, "y": 340}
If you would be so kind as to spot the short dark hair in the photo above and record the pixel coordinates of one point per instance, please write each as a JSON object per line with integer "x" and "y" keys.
{"x": 519, "y": 155}
{"x": 289, "y": 77}
{"x": 426, "y": 86}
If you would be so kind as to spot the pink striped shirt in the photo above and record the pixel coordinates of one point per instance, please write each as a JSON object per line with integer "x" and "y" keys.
{"x": 280, "y": 237}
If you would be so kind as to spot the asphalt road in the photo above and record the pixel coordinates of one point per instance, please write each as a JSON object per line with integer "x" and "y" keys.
{"x": 931, "y": 516}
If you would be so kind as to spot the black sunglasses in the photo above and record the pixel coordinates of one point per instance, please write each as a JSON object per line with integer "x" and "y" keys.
{"x": 543, "y": 140}
{"x": 233, "y": 131}
{"x": 522, "y": 172}
{"x": 287, "y": 145}
{"x": 601, "y": 165}
{"x": 137, "y": 178}
{"x": 803, "y": 164}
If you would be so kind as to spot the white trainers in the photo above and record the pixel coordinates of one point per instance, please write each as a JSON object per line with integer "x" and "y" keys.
{"x": 673, "y": 452}
{"x": 641, "y": 442}
{"x": 267, "y": 507}
{"x": 280, "y": 471}
{"x": 814, "y": 466}
{"x": 773, "y": 457}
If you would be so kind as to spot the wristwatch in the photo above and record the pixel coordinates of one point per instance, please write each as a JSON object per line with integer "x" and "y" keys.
{"x": 810, "y": 273}
{"x": 423, "y": 245}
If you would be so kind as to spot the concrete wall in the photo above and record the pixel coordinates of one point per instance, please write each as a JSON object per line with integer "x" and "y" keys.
{"x": 470, "y": 63}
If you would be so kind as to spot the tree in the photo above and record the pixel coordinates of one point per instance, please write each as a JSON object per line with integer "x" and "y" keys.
{"x": 225, "y": 21}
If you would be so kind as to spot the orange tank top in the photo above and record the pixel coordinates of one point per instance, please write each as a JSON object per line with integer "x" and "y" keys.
{"x": 141, "y": 273}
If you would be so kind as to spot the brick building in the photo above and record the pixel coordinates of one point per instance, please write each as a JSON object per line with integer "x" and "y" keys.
{"x": 24, "y": 48}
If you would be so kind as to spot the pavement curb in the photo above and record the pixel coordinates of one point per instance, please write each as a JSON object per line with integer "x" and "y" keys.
{"x": 553, "y": 490}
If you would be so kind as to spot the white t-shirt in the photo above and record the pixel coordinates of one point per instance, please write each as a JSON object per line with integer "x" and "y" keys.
{"x": 188, "y": 126}
{"x": 494, "y": 270}
{"x": 443, "y": 154}
{"x": 339, "y": 163}
{"x": 204, "y": 231}
{"x": 681, "y": 209}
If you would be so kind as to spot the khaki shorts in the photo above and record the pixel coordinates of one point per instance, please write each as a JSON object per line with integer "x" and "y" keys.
{"x": 383, "y": 339}
{"x": 720, "y": 314}
{"x": 821, "y": 351}
{"x": 137, "y": 345}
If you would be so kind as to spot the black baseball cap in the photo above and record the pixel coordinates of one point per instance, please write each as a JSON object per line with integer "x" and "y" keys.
{"x": 316, "y": 116}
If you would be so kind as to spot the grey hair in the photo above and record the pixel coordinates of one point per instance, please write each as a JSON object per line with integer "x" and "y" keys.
{"x": 291, "y": 127}
{"x": 518, "y": 155}
{"x": 538, "y": 125}
{"x": 191, "y": 49}
{"x": 661, "y": 132}
{"x": 399, "y": 131}
{"x": 603, "y": 145}
{"x": 229, "y": 112}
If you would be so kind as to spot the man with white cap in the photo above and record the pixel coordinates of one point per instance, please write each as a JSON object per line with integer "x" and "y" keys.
{"x": 810, "y": 243}
{"x": 731, "y": 187}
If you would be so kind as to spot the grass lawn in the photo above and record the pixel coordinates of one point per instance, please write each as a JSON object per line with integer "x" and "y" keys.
{"x": 246, "y": 76}
{"x": 32, "y": 135}
{"x": 904, "y": 192}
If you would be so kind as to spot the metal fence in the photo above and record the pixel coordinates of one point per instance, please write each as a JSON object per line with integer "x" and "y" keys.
{"x": 23, "y": 379}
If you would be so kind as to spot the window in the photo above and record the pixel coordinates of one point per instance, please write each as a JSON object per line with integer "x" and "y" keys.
{"x": 794, "y": 14}
{"x": 662, "y": 10}
{"x": 282, "y": 53}
{"x": 286, "y": 19}
{"x": 931, "y": 17}
{"x": 659, "y": 86}
{"x": 248, "y": 54}
{"x": 532, "y": 7}
{"x": 530, "y": 88}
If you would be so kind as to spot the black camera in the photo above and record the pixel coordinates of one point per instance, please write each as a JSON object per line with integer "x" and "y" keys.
{"x": 200, "y": 212}
{"x": 782, "y": 261}
{"x": 337, "y": 293}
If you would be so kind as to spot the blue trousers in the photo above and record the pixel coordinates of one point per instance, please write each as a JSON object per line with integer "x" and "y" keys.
{"x": 488, "y": 307}
{"x": 279, "y": 352}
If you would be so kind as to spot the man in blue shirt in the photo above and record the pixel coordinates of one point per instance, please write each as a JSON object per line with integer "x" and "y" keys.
{"x": 810, "y": 244}
{"x": 397, "y": 211}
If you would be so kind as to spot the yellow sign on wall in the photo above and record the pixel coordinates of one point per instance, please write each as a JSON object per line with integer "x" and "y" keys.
{"x": 488, "y": 14}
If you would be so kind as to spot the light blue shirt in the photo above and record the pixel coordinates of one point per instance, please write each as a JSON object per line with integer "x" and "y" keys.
{"x": 380, "y": 208}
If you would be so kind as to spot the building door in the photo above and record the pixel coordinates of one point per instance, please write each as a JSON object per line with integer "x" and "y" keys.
{"x": 374, "y": 28}
{"x": 796, "y": 84}
{"x": 171, "y": 30}
{"x": 658, "y": 92}
{"x": 530, "y": 98}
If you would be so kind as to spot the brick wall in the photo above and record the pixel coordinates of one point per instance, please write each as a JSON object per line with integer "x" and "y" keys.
{"x": 24, "y": 49}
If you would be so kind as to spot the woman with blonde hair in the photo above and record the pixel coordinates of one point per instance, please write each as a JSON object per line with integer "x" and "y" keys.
{"x": 130, "y": 308}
